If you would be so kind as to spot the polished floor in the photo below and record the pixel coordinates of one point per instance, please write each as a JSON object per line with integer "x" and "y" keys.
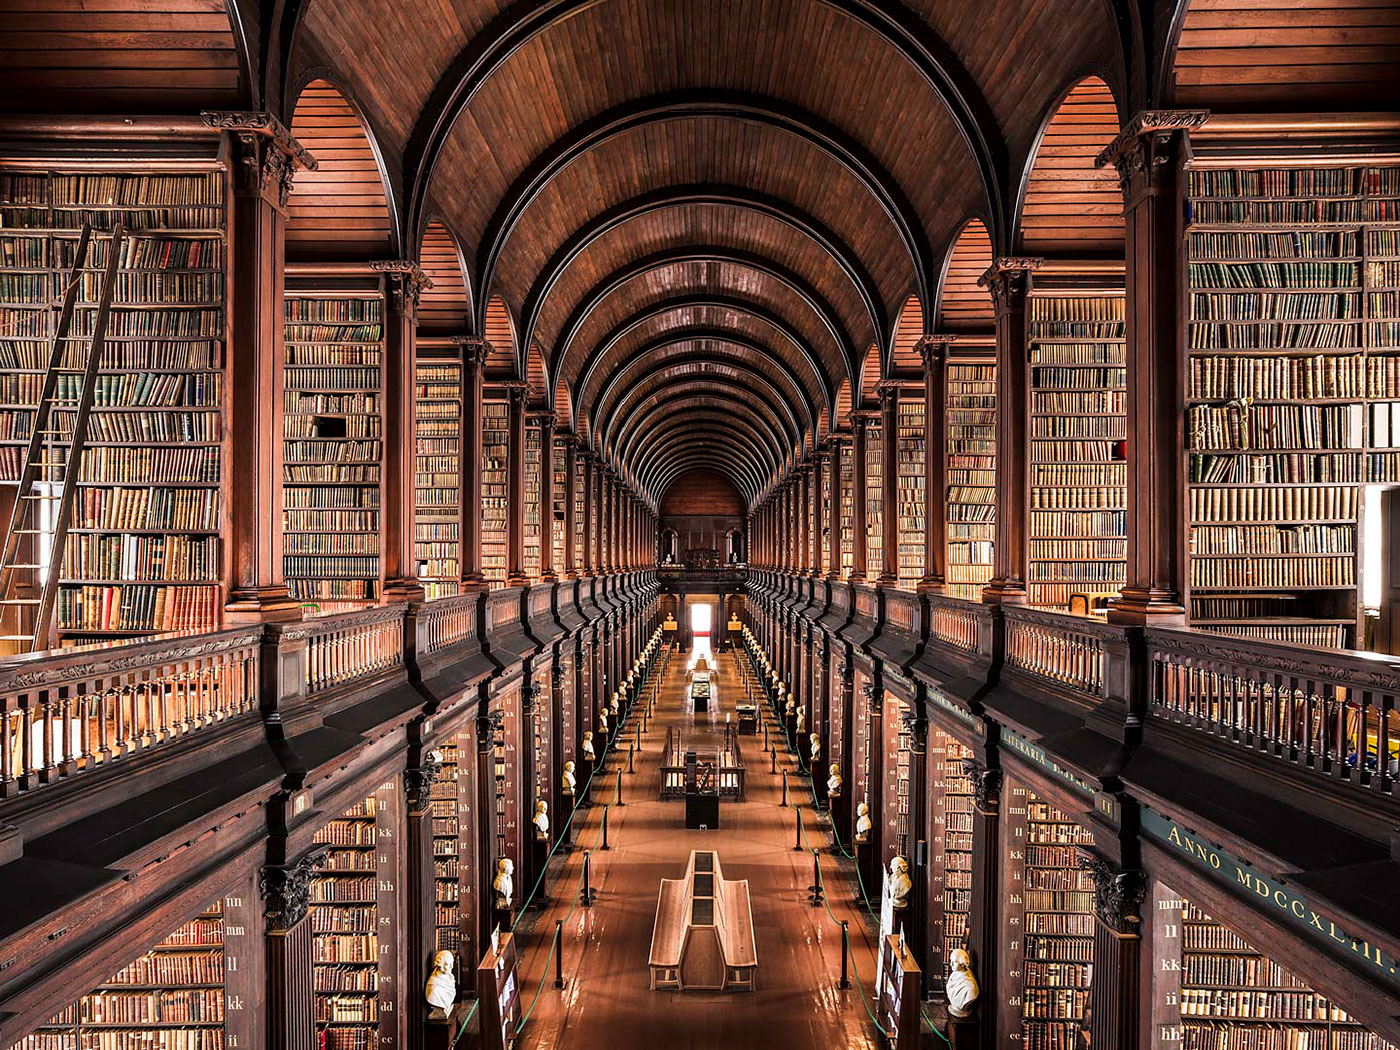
{"x": 606, "y": 1001}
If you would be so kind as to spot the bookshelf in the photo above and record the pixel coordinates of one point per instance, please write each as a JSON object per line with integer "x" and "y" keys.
{"x": 1050, "y": 923}
{"x": 830, "y": 557}
{"x": 173, "y": 996}
{"x": 910, "y": 493}
{"x": 495, "y": 446}
{"x": 874, "y": 503}
{"x": 447, "y": 850}
{"x": 950, "y": 801}
{"x": 534, "y": 519}
{"x": 437, "y": 473}
{"x": 352, "y": 912}
{"x": 144, "y": 553}
{"x": 972, "y": 464}
{"x": 1078, "y": 455}
{"x": 580, "y": 521}
{"x": 331, "y": 477}
{"x": 559, "y": 464}
{"x": 1293, "y": 376}
{"x": 848, "y": 534}
{"x": 1228, "y": 994}
{"x": 905, "y": 834}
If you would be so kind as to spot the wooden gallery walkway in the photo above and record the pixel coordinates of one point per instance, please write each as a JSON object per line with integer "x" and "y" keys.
{"x": 606, "y": 1002}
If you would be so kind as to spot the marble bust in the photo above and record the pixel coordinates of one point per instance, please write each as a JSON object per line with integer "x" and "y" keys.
{"x": 588, "y": 753}
{"x": 863, "y": 822}
{"x": 504, "y": 882}
{"x": 961, "y": 985}
{"x": 816, "y": 746}
{"x": 441, "y": 991}
{"x": 541, "y": 819}
{"x": 570, "y": 782}
{"x": 833, "y": 783}
{"x": 900, "y": 883}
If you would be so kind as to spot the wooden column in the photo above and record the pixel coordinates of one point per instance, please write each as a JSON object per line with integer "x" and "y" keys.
{"x": 833, "y": 525}
{"x": 1115, "y": 1005}
{"x": 421, "y": 885}
{"x": 601, "y": 509}
{"x": 291, "y": 995}
{"x": 889, "y": 485}
{"x": 934, "y": 353}
{"x": 1009, "y": 281}
{"x": 820, "y": 465}
{"x": 859, "y": 420}
{"x": 405, "y": 282}
{"x": 473, "y": 350}
{"x": 571, "y": 553}
{"x": 267, "y": 157}
{"x": 804, "y": 520}
{"x": 1149, "y": 155}
{"x": 516, "y": 394}
{"x": 547, "y": 567}
{"x": 984, "y": 915}
{"x": 590, "y": 511}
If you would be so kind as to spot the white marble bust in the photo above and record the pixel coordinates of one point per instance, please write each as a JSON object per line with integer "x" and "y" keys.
{"x": 504, "y": 882}
{"x": 441, "y": 991}
{"x": 900, "y": 883}
{"x": 603, "y": 720}
{"x": 568, "y": 780}
{"x": 588, "y": 753}
{"x": 863, "y": 822}
{"x": 801, "y": 719}
{"x": 961, "y": 986}
{"x": 816, "y": 746}
{"x": 541, "y": 819}
{"x": 833, "y": 783}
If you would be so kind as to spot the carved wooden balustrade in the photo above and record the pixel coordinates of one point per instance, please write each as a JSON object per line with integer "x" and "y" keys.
{"x": 954, "y": 622}
{"x": 344, "y": 648}
{"x": 446, "y": 622}
{"x": 70, "y": 711}
{"x": 1059, "y": 648}
{"x": 1334, "y": 713}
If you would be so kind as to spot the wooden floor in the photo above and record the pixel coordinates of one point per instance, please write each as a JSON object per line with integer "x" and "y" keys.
{"x": 606, "y": 1002}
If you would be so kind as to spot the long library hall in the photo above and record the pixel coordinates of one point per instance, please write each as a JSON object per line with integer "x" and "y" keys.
{"x": 725, "y": 523}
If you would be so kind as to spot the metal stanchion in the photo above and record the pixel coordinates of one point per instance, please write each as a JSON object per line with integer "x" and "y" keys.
{"x": 631, "y": 754}
{"x": 784, "y": 802}
{"x": 797, "y": 842}
{"x": 845, "y": 954}
{"x": 605, "y": 845}
{"x": 619, "y": 789}
{"x": 814, "y": 891}
{"x": 773, "y": 760}
{"x": 559, "y": 955}
{"x": 587, "y": 895}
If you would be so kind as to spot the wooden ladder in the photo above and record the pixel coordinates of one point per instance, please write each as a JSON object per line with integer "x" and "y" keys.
{"x": 54, "y": 458}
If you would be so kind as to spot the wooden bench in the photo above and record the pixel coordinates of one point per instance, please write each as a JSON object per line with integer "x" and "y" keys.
{"x": 703, "y": 939}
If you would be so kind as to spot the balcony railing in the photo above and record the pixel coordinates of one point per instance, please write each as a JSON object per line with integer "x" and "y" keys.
{"x": 1334, "y": 713}
{"x": 954, "y": 623}
{"x": 342, "y": 649}
{"x": 71, "y": 711}
{"x": 1058, "y": 648}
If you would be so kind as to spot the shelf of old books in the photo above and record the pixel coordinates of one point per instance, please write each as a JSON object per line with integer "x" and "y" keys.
{"x": 495, "y": 452}
{"x": 446, "y": 849}
{"x": 910, "y": 492}
{"x": 950, "y": 803}
{"x": 143, "y": 552}
{"x": 1293, "y": 388}
{"x": 874, "y": 503}
{"x": 971, "y": 468}
{"x": 352, "y": 912}
{"x": 533, "y": 517}
{"x": 829, "y": 556}
{"x": 1078, "y": 449}
{"x": 437, "y": 472}
{"x": 1050, "y": 922}
{"x": 580, "y": 520}
{"x": 848, "y": 556}
{"x": 334, "y": 446}
{"x": 172, "y": 996}
{"x": 1215, "y": 991}
{"x": 560, "y": 495}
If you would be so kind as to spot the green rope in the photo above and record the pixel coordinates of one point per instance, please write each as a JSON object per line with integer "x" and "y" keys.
{"x": 466, "y": 1021}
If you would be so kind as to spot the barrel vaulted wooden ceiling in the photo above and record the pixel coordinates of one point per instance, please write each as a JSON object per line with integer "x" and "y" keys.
{"x": 702, "y": 230}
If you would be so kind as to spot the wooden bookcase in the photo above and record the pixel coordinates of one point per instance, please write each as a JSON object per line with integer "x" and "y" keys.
{"x": 495, "y": 451}
{"x": 1049, "y": 921}
{"x": 1078, "y": 448}
{"x": 848, "y": 535}
{"x": 557, "y": 519}
{"x": 1214, "y": 991}
{"x": 950, "y": 852}
{"x": 144, "y": 553}
{"x": 437, "y": 471}
{"x": 353, "y": 912}
{"x": 971, "y": 468}
{"x": 1292, "y": 330}
{"x": 447, "y": 851}
{"x": 532, "y": 511}
{"x": 911, "y": 452}
{"x": 173, "y": 996}
{"x": 874, "y": 503}
{"x": 580, "y": 519}
{"x": 332, "y": 475}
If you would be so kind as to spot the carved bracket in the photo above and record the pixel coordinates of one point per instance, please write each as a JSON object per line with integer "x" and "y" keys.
{"x": 1118, "y": 895}
{"x": 986, "y": 783}
{"x": 406, "y": 281}
{"x": 270, "y": 156}
{"x": 486, "y": 727}
{"x": 418, "y": 780}
{"x": 286, "y": 889}
{"x": 1008, "y": 278}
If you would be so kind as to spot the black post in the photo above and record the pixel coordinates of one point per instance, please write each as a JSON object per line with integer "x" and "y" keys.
{"x": 631, "y": 754}
{"x": 797, "y": 843}
{"x": 814, "y": 891}
{"x": 559, "y": 955}
{"x": 586, "y": 895}
{"x": 784, "y": 802}
{"x": 619, "y": 789}
{"x": 605, "y": 846}
{"x": 845, "y": 953}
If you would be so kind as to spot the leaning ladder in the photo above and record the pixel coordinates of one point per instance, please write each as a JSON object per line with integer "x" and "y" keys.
{"x": 55, "y": 457}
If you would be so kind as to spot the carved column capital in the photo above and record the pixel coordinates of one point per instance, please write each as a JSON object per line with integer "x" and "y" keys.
{"x": 406, "y": 282}
{"x": 269, "y": 155}
{"x": 1118, "y": 894}
{"x": 888, "y": 392}
{"x": 986, "y": 783}
{"x": 933, "y": 351}
{"x": 473, "y": 349}
{"x": 486, "y": 727}
{"x": 1008, "y": 278}
{"x": 529, "y": 696}
{"x": 418, "y": 780}
{"x": 1148, "y": 147}
{"x": 286, "y": 889}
